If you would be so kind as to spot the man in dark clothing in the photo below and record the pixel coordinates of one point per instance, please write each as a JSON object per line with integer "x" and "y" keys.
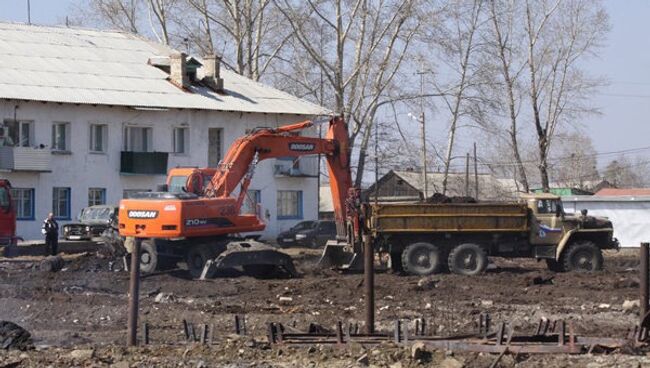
{"x": 51, "y": 232}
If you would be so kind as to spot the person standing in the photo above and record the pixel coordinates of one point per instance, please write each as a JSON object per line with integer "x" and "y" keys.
{"x": 51, "y": 231}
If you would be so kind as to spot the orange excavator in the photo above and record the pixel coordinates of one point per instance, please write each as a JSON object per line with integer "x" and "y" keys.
{"x": 198, "y": 215}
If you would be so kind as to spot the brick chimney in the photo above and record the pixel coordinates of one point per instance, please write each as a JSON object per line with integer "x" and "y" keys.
{"x": 178, "y": 70}
{"x": 212, "y": 72}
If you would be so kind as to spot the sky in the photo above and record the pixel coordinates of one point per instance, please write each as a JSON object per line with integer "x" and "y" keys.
{"x": 624, "y": 122}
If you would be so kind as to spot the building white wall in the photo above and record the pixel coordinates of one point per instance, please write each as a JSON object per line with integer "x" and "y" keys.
{"x": 82, "y": 169}
{"x": 630, "y": 218}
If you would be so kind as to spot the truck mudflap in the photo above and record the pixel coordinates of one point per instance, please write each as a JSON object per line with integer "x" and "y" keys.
{"x": 254, "y": 257}
{"x": 341, "y": 256}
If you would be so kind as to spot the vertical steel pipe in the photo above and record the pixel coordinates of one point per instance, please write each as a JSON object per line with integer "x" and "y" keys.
{"x": 134, "y": 293}
{"x": 369, "y": 282}
{"x": 643, "y": 280}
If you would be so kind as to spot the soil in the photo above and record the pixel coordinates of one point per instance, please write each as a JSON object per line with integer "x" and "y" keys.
{"x": 77, "y": 317}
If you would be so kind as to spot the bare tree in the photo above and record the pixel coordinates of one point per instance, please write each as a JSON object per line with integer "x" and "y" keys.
{"x": 161, "y": 9}
{"x": 248, "y": 33}
{"x": 503, "y": 39}
{"x": 120, "y": 14}
{"x": 357, "y": 47}
{"x": 458, "y": 46}
{"x": 575, "y": 162}
{"x": 560, "y": 35}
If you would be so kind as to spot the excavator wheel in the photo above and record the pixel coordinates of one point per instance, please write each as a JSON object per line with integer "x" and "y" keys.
{"x": 196, "y": 258}
{"x": 148, "y": 256}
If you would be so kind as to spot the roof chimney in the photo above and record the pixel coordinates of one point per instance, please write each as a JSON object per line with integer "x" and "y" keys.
{"x": 212, "y": 72}
{"x": 178, "y": 70}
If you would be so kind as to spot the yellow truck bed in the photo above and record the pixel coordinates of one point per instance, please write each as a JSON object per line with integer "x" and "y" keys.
{"x": 449, "y": 217}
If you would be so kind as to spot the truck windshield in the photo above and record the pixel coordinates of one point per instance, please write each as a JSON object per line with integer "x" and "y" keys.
{"x": 177, "y": 183}
{"x": 4, "y": 199}
{"x": 548, "y": 206}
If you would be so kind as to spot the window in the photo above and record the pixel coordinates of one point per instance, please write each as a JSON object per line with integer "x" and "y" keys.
{"x": 60, "y": 136}
{"x": 98, "y": 137}
{"x": 17, "y": 133}
{"x": 215, "y": 140}
{"x": 180, "y": 140}
{"x": 96, "y": 196}
{"x": 547, "y": 206}
{"x": 61, "y": 203}
{"x": 289, "y": 204}
{"x": 128, "y": 193}
{"x": 23, "y": 200}
{"x": 249, "y": 207}
{"x": 137, "y": 139}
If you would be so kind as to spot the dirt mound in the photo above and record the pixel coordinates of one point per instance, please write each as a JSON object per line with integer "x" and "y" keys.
{"x": 441, "y": 198}
{"x": 13, "y": 336}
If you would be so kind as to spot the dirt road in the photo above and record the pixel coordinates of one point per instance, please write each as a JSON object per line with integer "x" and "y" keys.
{"x": 84, "y": 307}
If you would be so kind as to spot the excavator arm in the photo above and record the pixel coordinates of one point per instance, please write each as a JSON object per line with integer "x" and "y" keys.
{"x": 240, "y": 160}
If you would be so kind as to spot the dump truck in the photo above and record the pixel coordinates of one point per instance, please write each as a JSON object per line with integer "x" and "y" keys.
{"x": 426, "y": 238}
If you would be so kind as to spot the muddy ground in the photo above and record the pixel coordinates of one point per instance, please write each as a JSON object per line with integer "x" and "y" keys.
{"x": 78, "y": 316}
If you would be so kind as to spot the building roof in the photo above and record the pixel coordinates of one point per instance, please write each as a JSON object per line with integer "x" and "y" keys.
{"x": 81, "y": 66}
{"x": 490, "y": 187}
{"x": 623, "y": 192}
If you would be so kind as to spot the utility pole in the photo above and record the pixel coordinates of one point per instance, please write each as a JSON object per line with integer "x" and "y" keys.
{"x": 29, "y": 13}
{"x": 475, "y": 174}
{"x": 424, "y": 138}
{"x": 467, "y": 175}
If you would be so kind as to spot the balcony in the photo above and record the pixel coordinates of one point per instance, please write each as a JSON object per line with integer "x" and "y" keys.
{"x": 301, "y": 167}
{"x": 25, "y": 159}
{"x": 143, "y": 163}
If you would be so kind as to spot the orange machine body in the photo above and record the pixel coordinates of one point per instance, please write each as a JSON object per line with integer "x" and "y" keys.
{"x": 209, "y": 205}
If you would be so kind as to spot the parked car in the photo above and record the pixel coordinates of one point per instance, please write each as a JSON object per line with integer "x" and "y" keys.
{"x": 288, "y": 238}
{"x": 318, "y": 235}
{"x": 91, "y": 222}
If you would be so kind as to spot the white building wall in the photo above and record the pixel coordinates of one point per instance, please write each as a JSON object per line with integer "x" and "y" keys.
{"x": 81, "y": 169}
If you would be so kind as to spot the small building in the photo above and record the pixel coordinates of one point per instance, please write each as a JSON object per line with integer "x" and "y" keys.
{"x": 564, "y": 191}
{"x": 88, "y": 117}
{"x": 630, "y": 192}
{"x": 409, "y": 185}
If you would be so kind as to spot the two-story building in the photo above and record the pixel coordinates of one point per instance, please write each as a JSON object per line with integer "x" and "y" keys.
{"x": 88, "y": 117}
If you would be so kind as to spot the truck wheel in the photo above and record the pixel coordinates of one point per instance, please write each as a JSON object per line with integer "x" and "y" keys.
{"x": 583, "y": 256}
{"x": 468, "y": 259}
{"x": 148, "y": 256}
{"x": 196, "y": 258}
{"x": 421, "y": 259}
{"x": 554, "y": 265}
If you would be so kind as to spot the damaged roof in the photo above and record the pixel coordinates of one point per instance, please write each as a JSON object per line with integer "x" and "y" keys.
{"x": 81, "y": 66}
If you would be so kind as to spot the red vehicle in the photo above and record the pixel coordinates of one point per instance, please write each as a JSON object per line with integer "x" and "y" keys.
{"x": 7, "y": 215}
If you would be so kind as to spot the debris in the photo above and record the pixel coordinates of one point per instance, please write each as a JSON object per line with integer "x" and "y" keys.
{"x": 285, "y": 299}
{"x": 51, "y": 264}
{"x": 82, "y": 354}
{"x": 604, "y": 306}
{"x": 419, "y": 351}
{"x": 540, "y": 280}
{"x": 487, "y": 303}
{"x": 426, "y": 283}
{"x": 13, "y": 336}
{"x": 163, "y": 298}
{"x": 363, "y": 360}
{"x": 450, "y": 362}
{"x": 631, "y": 305}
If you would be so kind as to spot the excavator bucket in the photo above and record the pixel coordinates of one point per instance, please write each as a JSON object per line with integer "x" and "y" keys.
{"x": 255, "y": 258}
{"x": 340, "y": 255}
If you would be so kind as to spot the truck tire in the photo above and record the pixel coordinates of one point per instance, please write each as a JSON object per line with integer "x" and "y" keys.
{"x": 468, "y": 259}
{"x": 421, "y": 259}
{"x": 582, "y": 256}
{"x": 148, "y": 256}
{"x": 196, "y": 258}
{"x": 554, "y": 265}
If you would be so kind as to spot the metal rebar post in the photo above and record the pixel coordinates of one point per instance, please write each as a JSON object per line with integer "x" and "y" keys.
{"x": 134, "y": 293}
{"x": 369, "y": 282}
{"x": 643, "y": 277}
